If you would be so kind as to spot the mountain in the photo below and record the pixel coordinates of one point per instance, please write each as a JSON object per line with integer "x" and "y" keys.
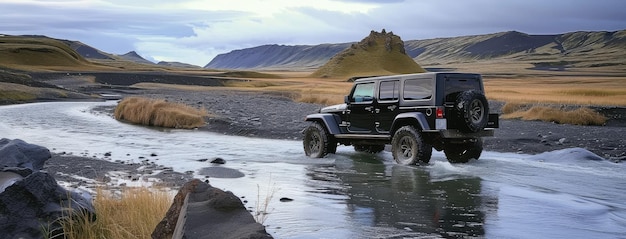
{"x": 177, "y": 64}
{"x": 87, "y": 51}
{"x": 277, "y": 56}
{"x": 377, "y": 54}
{"x": 579, "y": 49}
{"x": 133, "y": 56}
{"x": 574, "y": 49}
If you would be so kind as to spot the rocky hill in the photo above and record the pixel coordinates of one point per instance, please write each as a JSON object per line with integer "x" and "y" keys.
{"x": 575, "y": 49}
{"x": 377, "y": 54}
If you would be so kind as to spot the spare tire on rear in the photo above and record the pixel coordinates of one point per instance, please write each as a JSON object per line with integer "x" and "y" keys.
{"x": 472, "y": 111}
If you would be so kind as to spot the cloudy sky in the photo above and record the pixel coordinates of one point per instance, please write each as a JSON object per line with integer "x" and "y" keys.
{"x": 195, "y": 31}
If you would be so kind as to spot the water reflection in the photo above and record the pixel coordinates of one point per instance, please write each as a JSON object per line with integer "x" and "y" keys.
{"x": 383, "y": 194}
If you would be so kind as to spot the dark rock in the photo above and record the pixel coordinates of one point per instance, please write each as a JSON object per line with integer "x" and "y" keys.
{"x": 31, "y": 201}
{"x": 218, "y": 161}
{"x": 107, "y": 154}
{"x": 210, "y": 213}
{"x": 286, "y": 199}
{"x": 165, "y": 228}
{"x": 17, "y": 153}
{"x": 202, "y": 160}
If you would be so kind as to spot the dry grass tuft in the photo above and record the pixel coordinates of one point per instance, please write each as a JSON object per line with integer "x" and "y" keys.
{"x": 157, "y": 112}
{"x": 322, "y": 99}
{"x": 580, "y": 116}
{"x": 132, "y": 214}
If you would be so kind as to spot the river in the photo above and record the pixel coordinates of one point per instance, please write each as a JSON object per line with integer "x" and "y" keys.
{"x": 561, "y": 194}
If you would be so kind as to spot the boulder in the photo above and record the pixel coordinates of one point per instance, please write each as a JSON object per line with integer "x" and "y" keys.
{"x": 31, "y": 201}
{"x": 209, "y": 213}
{"x": 17, "y": 153}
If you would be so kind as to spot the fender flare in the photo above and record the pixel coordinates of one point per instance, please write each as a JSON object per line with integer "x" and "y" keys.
{"x": 329, "y": 121}
{"x": 416, "y": 118}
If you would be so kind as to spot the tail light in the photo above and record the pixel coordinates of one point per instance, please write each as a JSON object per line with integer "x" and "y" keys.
{"x": 439, "y": 112}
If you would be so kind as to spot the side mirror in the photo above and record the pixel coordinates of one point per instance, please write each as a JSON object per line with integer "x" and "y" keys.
{"x": 346, "y": 99}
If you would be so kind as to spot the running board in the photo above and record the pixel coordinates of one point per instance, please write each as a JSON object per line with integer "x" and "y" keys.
{"x": 362, "y": 136}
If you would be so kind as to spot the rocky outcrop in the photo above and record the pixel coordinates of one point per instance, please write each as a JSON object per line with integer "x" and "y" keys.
{"x": 208, "y": 212}
{"x": 377, "y": 54}
{"x": 31, "y": 201}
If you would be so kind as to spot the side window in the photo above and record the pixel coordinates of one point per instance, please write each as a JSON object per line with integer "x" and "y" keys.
{"x": 363, "y": 92}
{"x": 388, "y": 90}
{"x": 417, "y": 89}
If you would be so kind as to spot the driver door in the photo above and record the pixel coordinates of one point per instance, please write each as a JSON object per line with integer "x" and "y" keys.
{"x": 360, "y": 112}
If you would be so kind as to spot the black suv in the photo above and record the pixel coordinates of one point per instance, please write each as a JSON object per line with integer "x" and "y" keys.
{"x": 414, "y": 113}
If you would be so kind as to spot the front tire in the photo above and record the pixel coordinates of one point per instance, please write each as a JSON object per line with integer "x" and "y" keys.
{"x": 317, "y": 142}
{"x": 463, "y": 152}
{"x": 408, "y": 147}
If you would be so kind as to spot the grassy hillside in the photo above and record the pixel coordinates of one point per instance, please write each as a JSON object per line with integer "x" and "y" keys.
{"x": 602, "y": 51}
{"x": 377, "y": 54}
{"x": 22, "y": 52}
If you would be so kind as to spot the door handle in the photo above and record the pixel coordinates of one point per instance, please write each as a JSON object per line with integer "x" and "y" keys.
{"x": 369, "y": 108}
{"x": 391, "y": 107}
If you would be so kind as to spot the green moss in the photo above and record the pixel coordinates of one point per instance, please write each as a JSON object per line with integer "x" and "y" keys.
{"x": 11, "y": 95}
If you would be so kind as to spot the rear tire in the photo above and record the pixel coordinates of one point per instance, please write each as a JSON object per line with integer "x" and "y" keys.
{"x": 463, "y": 152}
{"x": 373, "y": 149}
{"x": 408, "y": 147}
{"x": 317, "y": 142}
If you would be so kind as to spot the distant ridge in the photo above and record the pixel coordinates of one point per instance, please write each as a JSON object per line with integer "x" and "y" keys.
{"x": 133, "y": 56}
{"x": 277, "y": 57}
{"x": 377, "y": 54}
{"x": 574, "y": 49}
{"x": 177, "y": 64}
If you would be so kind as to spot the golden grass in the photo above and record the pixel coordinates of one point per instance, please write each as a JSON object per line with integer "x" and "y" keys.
{"x": 602, "y": 90}
{"x": 158, "y": 112}
{"x": 134, "y": 213}
{"x": 580, "y": 116}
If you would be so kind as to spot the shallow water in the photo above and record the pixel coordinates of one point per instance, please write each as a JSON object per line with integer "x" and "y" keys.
{"x": 562, "y": 194}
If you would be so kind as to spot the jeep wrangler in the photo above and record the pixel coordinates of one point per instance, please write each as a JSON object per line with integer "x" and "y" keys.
{"x": 413, "y": 112}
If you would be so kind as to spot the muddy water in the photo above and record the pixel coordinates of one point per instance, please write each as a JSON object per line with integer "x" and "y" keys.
{"x": 564, "y": 194}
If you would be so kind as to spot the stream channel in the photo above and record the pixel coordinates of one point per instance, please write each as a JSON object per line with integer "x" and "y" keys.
{"x": 561, "y": 194}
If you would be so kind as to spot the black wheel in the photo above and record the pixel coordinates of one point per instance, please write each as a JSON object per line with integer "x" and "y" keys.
{"x": 373, "y": 149}
{"x": 463, "y": 152}
{"x": 408, "y": 147}
{"x": 317, "y": 142}
{"x": 472, "y": 111}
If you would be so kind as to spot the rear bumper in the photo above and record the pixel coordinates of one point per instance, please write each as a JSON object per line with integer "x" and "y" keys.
{"x": 456, "y": 134}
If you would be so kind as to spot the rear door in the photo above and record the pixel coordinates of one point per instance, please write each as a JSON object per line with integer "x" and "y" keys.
{"x": 386, "y": 105}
